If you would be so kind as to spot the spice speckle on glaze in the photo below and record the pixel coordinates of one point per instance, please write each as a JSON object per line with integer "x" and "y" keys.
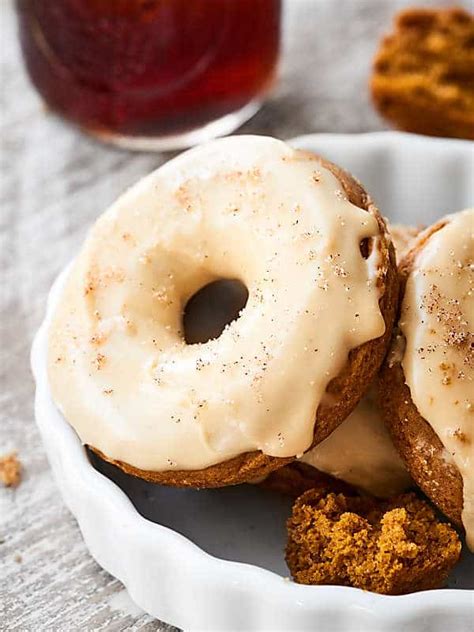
{"x": 248, "y": 208}
{"x": 437, "y": 321}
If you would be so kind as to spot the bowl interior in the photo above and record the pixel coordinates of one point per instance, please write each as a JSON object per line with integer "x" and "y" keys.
{"x": 244, "y": 523}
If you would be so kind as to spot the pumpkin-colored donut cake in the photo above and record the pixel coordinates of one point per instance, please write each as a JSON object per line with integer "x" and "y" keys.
{"x": 311, "y": 250}
{"x": 427, "y": 382}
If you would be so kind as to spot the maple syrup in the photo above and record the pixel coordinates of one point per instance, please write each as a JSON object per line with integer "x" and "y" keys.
{"x": 150, "y": 69}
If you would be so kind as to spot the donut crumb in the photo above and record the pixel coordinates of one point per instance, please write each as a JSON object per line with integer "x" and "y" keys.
{"x": 423, "y": 72}
{"x": 389, "y": 547}
{"x": 10, "y": 470}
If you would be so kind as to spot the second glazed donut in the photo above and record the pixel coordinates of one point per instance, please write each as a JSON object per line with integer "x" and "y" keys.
{"x": 427, "y": 382}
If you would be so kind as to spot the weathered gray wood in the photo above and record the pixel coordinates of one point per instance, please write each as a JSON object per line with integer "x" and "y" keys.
{"x": 54, "y": 183}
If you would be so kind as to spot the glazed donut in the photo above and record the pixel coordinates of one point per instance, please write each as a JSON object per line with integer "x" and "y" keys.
{"x": 427, "y": 382}
{"x": 311, "y": 249}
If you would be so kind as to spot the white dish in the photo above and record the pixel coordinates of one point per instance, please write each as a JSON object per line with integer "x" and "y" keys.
{"x": 213, "y": 560}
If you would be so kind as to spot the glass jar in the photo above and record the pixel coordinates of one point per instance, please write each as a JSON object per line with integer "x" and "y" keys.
{"x": 152, "y": 74}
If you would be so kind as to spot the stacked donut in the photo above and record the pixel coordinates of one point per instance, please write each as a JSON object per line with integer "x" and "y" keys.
{"x": 427, "y": 381}
{"x": 280, "y": 379}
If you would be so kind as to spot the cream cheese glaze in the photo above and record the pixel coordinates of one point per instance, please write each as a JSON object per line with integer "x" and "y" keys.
{"x": 248, "y": 208}
{"x": 437, "y": 321}
{"x": 361, "y": 453}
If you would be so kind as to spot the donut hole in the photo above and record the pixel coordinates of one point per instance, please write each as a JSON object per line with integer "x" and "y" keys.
{"x": 211, "y": 308}
{"x": 366, "y": 246}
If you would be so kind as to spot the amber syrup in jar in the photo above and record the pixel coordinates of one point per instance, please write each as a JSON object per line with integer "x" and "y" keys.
{"x": 150, "y": 68}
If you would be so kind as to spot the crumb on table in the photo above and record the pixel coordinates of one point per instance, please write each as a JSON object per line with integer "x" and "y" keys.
{"x": 10, "y": 470}
{"x": 389, "y": 547}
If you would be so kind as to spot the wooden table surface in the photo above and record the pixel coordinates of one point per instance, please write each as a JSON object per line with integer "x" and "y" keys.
{"x": 54, "y": 183}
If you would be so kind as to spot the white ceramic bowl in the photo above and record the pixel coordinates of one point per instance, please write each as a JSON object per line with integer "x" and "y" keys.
{"x": 213, "y": 560}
